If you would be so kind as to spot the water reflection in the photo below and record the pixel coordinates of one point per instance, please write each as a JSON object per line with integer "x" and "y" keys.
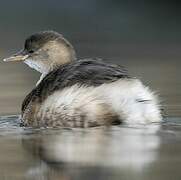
{"x": 119, "y": 152}
{"x": 99, "y": 146}
{"x": 96, "y": 150}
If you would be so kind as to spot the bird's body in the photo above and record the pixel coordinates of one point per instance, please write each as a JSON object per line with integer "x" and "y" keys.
{"x": 82, "y": 93}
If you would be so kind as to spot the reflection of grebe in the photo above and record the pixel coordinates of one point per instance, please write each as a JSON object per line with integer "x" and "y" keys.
{"x": 80, "y": 93}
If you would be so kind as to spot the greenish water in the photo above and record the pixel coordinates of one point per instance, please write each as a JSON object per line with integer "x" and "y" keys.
{"x": 118, "y": 152}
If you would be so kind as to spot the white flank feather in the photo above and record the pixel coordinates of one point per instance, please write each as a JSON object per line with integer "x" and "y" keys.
{"x": 127, "y": 98}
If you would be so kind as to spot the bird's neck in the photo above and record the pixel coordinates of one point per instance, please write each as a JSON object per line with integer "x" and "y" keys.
{"x": 41, "y": 78}
{"x": 40, "y": 67}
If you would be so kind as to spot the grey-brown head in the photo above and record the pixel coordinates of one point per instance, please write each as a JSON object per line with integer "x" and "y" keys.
{"x": 44, "y": 51}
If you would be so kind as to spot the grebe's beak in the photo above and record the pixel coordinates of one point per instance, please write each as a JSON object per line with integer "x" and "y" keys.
{"x": 20, "y": 56}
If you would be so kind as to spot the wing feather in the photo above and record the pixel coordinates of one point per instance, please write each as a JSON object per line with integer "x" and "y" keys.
{"x": 90, "y": 72}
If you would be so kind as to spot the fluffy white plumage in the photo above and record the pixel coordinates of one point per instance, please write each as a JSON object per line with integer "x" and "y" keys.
{"x": 128, "y": 98}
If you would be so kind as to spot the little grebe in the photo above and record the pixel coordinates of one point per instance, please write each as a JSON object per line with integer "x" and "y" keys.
{"x": 80, "y": 93}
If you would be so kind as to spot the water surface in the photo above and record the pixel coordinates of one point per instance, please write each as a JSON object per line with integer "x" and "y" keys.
{"x": 118, "y": 152}
{"x": 144, "y": 36}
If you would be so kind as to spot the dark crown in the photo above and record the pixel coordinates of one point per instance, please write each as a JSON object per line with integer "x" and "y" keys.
{"x": 37, "y": 40}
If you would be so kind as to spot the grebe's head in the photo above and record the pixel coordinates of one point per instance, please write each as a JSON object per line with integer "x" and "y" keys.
{"x": 44, "y": 51}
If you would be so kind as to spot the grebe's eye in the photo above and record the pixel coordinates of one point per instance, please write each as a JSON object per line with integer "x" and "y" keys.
{"x": 31, "y": 51}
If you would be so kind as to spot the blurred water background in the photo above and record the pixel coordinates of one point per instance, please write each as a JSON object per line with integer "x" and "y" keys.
{"x": 142, "y": 35}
